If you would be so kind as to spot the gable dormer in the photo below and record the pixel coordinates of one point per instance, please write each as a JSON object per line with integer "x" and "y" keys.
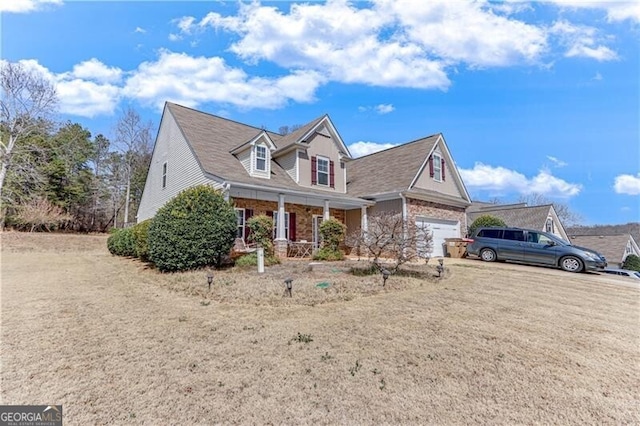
{"x": 255, "y": 155}
{"x": 315, "y": 156}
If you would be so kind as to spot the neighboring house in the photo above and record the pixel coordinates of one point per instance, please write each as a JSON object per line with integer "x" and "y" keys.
{"x": 304, "y": 177}
{"x": 615, "y": 248}
{"x": 543, "y": 218}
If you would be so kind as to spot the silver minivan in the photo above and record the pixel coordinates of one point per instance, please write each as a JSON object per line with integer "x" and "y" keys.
{"x": 533, "y": 247}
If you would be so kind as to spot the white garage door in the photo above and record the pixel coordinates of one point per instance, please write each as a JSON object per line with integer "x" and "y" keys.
{"x": 441, "y": 229}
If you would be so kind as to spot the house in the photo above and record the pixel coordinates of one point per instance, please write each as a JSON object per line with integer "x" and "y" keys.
{"x": 615, "y": 248}
{"x": 304, "y": 177}
{"x": 543, "y": 218}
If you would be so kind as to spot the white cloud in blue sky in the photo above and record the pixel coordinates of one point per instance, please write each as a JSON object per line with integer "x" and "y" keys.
{"x": 503, "y": 180}
{"x": 25, "y": 6}
{"x": 627, "y": 184}
{"x": 361, "y": 148}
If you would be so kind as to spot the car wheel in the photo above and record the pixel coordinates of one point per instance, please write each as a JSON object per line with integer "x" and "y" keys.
{"x": 488, "y": 255}
{"x": 571, "y": 264}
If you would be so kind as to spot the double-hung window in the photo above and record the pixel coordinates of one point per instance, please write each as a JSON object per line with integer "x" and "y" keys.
{"x": 261, "y": 158}
{"x": 240, "y": 221}
{"x": 437, "y": 168}
{"x": 323, "y": 171}
{"x": 286, "y": 225}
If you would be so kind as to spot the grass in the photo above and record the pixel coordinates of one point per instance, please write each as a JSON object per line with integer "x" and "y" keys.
{"x": 116, "y": 342}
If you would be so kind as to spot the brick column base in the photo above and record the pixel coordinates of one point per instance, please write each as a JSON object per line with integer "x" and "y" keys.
{"x": 280, "y": 248}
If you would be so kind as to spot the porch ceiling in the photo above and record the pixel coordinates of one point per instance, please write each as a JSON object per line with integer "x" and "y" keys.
{"x": 294, "y": 197}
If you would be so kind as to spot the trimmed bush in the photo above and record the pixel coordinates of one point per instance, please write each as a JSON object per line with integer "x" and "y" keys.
{"x": 261, "y": 232}
{"x": 632, "y": 263}
{"x": 485, "y": 221}
{"x": 332, "y": 232}
{"x": 195, "y": 229}
{"x": 121, "y": 243}
{"x": 141, "y": 239}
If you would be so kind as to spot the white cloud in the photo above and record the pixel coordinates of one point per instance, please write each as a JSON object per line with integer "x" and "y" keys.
{"x": 95, "y": 70}
{"x": 174, "y": 37}
{"x": 24, "y": 6}
{"x": 140, "y": 30}
{"x": 556, "y": 162}
{"x": 597, "y": 77}
{"x": 616, "y": 10}
{"x": 195, "y": 80}
{"x": 384, "y": 108}
{"x": 627, "y": 184}
{"x": 358, "y": 149}
{"x": 581, "y": 41}
{"x": 486, "y": 177}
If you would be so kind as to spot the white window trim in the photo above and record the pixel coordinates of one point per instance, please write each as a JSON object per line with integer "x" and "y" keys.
{"x": 437, "y": 167}
{"x": 256, "y": 158}
{"x": 165, "y": 169}
{"x": 318, "y": 158}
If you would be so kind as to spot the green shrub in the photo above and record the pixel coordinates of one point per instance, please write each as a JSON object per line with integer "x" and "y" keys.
{"x": 332, "y": 232}
{"x": 485, "y": 221}
{"x": 121, "y": 243}
{"x": 632, "y": 263}
{"x": 195, "y": 229}
{"x": 261, "y": 232}
{"x": 328, "y": 255}
{"x": 251, "y": 259}
{"x": 141, "y": 239}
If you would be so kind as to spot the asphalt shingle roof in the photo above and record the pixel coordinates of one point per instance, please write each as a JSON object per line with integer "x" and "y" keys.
{"x": 533, "y": 217}
{"x": 390, "y": 170}
{"x": 611, "y": 246}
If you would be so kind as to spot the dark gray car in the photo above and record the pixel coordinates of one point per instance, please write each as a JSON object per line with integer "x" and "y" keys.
{"x": 533, "y": 247}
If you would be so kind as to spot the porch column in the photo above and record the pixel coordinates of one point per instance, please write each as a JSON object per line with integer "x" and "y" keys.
{"x": 363, "y": 218}
{"x": 325, "y": 213}
{"x": 280, "y": 242}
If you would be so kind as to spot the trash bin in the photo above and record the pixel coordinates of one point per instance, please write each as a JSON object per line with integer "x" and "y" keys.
{"x": 456, "y": 247}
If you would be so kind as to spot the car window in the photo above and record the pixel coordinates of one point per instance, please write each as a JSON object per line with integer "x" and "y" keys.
{"x": 637, "y": 274}
{"x": 512, "y": 234}
{"x": 490, "y": 233}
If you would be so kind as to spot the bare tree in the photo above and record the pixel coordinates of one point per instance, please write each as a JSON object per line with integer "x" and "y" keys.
{"x": 390, "y": 236}
{"x": 133, "y": 138}
{"x": 28, "y": 100}
{"x": 567, "y": 216}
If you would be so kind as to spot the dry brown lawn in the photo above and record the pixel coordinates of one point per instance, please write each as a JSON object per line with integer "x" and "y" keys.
{"x": 115, "y": 342}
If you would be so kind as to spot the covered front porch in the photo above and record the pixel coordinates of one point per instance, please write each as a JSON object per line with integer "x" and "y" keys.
{"x": 297, "y": 215}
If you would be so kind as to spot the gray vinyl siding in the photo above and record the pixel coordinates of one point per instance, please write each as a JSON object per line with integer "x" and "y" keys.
{"x": 289, "y": 163}
{"x": 394, "y": 205}
{"x": 183, "y": 171}
{"x": 245, "y": 159}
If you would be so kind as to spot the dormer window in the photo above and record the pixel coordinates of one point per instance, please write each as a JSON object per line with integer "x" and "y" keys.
{"x": 436, "y": 167}
{"x": 261, "y": 158}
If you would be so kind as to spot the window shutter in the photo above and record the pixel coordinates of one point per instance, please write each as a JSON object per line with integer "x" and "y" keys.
{"x": 248, "y": 214}
{"x": 442, "y": 169}
{"x": 292, "y": 226}
{"x": 431, "y": 166}
{"x": 332, "y": 175}
{"x": 314, "y": 170}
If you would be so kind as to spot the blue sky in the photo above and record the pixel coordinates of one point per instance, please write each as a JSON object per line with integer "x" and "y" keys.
{"x": 532, "y": 97}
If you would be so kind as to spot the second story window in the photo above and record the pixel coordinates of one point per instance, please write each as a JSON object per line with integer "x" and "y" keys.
{"x": 261, "y": 158}
{"x": 323, "y": 171}
{"x": 549, "y": 225}
{"x": 437, "y": 168}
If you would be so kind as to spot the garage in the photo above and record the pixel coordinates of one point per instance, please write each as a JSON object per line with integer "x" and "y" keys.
{"x": 441, "y": 229}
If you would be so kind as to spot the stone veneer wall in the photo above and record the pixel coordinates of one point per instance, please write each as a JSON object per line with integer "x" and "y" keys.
{"x": 304, "y": 214}
{"x": 436, "y": 211}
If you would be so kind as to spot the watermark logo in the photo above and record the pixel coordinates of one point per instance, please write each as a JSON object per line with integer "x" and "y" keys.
{"x": 30, "y": 415}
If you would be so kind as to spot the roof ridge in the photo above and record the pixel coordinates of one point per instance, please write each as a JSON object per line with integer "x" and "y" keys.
{"x": 398, "y": 146}
{"x": 223, "y": 118}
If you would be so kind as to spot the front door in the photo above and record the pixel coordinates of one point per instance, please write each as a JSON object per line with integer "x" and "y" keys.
{"x": 317, "y": 220}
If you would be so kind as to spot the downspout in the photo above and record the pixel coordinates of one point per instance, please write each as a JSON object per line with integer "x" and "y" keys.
{"x": 225, "y": 191}
{"x": 404, "y": 206}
